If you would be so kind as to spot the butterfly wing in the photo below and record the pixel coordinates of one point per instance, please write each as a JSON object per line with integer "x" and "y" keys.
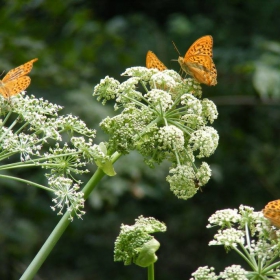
{"x": 16, "y": 80}
{"x": 4, "y": 91}
{"x": 202, "y": 46}
{"x": 273, "y": 217}
{"x": 19, "y": 85}
{"x": 203, "y": 69}
{"x": 272, "y": 212}
{"x": 152, "y": 61}
{"x": 20, "y": 71}
{"x": 198, "y": 61}
{"x": 15, "y": 86}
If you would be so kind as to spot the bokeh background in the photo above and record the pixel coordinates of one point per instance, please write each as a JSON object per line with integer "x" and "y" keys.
{"x": 80, "y": 42}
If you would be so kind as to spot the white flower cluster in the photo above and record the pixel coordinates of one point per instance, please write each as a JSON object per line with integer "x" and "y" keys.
{"x": 247, "y": 233}
{"x": 224, "y": 218}
{"x": 166, "y": 79}
{"x": 167, "y": 122}
{"x": 230, "y": 237}
{"x": 67, "y": 196}
{"x": 141, "y": 72}
{"x": 205, "y": 140}
{"x": 170, "y": 137}
{"x": 209, "y": 110}
{"x": 184, "y": 182}
{"x": 193, "y": 105}
{"x": 203, "y": 174}
{"x": 27, "y": 126}
{"x": 63, "y": 160}
{"x": 24, "y": 144}
{"x": 107, "y": 89}
{"x": 127, "y": 92}
{"x": 199, "y": 112}
{"x": 203, "y": 273}
{"x": 234, "y": 272}
{"x": 160, "y": 99}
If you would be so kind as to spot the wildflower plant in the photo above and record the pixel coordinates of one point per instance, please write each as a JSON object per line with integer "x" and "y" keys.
{"x": 167, "y": 120}
{"x": 252, "y": 237}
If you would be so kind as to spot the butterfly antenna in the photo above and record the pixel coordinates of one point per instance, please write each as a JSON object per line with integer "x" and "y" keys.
{"x": 176, "y": 48}
{"x": 176, "y": 51}
{"x": 181, "y": 70}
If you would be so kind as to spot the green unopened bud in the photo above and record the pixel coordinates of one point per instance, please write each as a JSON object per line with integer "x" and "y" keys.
{"x": 147, "y": 254}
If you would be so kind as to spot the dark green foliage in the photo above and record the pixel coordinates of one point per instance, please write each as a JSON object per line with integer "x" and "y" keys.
{"x": 80, "y": 42}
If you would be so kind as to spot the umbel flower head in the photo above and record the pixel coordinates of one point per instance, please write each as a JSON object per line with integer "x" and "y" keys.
{"x": 135, "y": 244}
{"x": 252, "y": 237}
{"x": 168, "y": 121}
{"x": 29, "y": 127}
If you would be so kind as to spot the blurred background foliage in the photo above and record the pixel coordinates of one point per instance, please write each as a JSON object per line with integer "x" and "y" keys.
{"x": 80, "y": 42}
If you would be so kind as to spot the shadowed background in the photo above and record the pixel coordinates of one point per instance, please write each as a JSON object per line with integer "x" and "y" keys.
{"x": 80, "y": 42}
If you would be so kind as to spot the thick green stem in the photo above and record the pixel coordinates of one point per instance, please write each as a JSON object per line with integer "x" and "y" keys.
{"x": 151, "y": 274}
{"x": 46, "y": 248}
{"x": 61, "y": 227}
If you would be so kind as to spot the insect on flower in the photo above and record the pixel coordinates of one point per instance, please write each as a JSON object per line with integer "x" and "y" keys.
{"x": 16, "y": 80}
{"x": 272, "y": 212}
{"x": 198, "y": 61}
{"x": 152, "y": 61}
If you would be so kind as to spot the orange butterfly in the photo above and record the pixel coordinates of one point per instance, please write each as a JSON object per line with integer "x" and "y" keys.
{"x": 198, "y": 61}
{"x": 272, "y": 212}
{"x": 152, "y": 61}
{"x": 16, "y": 80}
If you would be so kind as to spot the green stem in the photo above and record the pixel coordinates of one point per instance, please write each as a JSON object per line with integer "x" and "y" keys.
{"x": 187, "y": 130}
{"x": 151, "y": 273}
{"x": 251, "y": 261}
{"x": 270, "y": 267}
{"x": 21, "y": 128}
{"x": 26, "y": 182}
{"x": 32, "y": 162}
{"x": 10, "y": 128}
{"x": 6, "y": 119}
{"x": 4, "y": 155}
{"x": 45, "y": 250}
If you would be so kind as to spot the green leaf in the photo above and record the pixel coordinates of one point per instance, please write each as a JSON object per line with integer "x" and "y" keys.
{"x": 106, "y": 165}
{"x": 147, "y": 254}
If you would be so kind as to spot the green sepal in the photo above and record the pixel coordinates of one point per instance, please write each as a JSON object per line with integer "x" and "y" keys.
{"x": 147, "y": 254}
